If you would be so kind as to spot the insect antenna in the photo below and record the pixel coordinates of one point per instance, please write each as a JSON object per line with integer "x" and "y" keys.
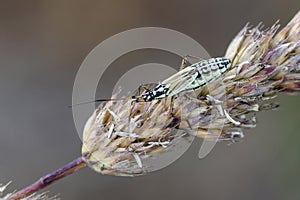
{"x": 102, "y": 100}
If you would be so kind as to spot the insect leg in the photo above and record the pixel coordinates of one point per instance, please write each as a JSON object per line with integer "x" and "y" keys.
{"x": 185, "y": 61}
{"x": 144, "y": 87}
{"x": 172, "y": 106}
{"x": 138, "y": 96}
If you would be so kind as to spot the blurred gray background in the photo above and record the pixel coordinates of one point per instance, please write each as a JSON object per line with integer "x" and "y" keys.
{"x": 42, "y": 44}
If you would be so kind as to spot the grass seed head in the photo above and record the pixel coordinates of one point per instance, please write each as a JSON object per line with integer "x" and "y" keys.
{"x": 119, "y": 136}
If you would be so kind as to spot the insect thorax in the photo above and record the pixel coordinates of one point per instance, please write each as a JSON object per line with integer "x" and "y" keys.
{"x": 158, "y": 92}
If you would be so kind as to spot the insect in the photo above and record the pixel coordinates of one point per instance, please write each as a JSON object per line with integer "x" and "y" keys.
{"x": 189, "y": 78}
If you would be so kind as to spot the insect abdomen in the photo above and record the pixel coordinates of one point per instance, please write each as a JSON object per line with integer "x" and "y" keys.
{"x": 212, "y": 69}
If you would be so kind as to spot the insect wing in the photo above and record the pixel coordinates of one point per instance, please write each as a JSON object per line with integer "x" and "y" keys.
{"x": 181, "y": 81}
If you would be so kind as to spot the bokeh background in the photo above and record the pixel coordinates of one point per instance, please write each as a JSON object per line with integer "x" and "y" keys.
{"x": 43, "y": 43}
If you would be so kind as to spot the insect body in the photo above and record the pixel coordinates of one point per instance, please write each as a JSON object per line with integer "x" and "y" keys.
{"x": 190, "y": 78}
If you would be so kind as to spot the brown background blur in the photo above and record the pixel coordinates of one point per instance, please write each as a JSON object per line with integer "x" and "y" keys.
{"x": 42, "y": 44}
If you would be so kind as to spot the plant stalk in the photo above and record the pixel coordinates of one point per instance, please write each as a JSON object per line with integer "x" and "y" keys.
{"x": 48, "y": 179}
